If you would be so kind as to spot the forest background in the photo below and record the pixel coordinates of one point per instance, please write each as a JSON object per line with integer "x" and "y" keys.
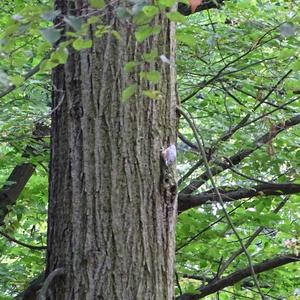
{"x": 238, "y": 80}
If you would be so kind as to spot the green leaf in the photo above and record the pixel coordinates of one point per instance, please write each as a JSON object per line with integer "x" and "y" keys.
{"x": 175, "y": 16}
{"x": 59, "y": 56}
{"x": 296, "y": 65}
{"x": 12, "y": 29}
{"x": 187, "y": 39}
{"x": 150, "y": 10}
{"x": 73, "y": 34}
{"x": 245, "y": 4}
{"x": 286, "y": 53}
{"x": 116, "y": 34}
{"x": 97, "y": 3}
{"x": 130, "y": 66}
{"x": 93, "y": 20}
{"x": 167, "y": 3}
{"x": 145, "y": 31}
{"x": 74, "y": 22}
{"x": 292, "y": 84}
{"x": 101, "y": 29}
{"x": 52, "y": 35}
{"x": 80, "y": 43}
{"x": 152, "y": 76}
{"x": 17, "y": 80}
{"x": 150, "y": 56}
{"x": 128, "y": 92}
{"x": 47, "y": 65}
{"x": 153, "y": 94}
{"x": 50, "y": 15}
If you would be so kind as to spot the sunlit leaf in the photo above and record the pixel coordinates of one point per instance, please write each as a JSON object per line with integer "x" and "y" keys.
{"x": 80, "y": 43}
{"x": 129, "y": 92}
{"x": 150, "y": 56}
{"x": 97, "y": 3}
{"x": 150, "y": 10}
{"x": 156, "y": 95}
{"x": 17, "y": 80}
{"x": 152, "y": 76}
{"x": 145, "y": 31}
{"x": 175, "y": 16}
{"x": 295, "y": 65}
{"x": 130, "y": 66}
{"x": 167, "y": 3}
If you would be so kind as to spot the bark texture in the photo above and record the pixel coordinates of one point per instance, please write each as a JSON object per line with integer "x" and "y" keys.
{"x": 112, "y": 205}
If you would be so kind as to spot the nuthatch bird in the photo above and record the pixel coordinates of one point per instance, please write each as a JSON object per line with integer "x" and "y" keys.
{"x": 169, "y": 155}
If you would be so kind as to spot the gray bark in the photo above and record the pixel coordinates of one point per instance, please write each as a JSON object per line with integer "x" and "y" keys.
{"x": 112, "y": 202}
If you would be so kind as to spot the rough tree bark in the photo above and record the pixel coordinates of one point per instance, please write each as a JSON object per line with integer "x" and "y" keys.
{"x": 112, "y": 202}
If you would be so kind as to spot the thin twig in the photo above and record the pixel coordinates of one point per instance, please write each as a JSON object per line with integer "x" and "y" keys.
{"x": 178, "y": 283}
{"x": 254, "y": 46}
{"x": 199, "y": 140}
{"x": 27, "y": 75}
{"x": 250, "y": 240}
{"x": 238, "y": 295}
{"x": 272, "y": 89}
{"x": 241, "y": 154}
{"x": 206, "y": 228}
{"x": 190, "y": 171}
{"x": 213, "y": 148}
{"x": 272, "y": 111}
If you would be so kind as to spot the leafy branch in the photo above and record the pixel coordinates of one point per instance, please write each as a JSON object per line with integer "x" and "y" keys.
{"x": 241, "y": 274}
{"x": 242, "y": 154}
{"x": 200, "y": 143}
{"x": 20, "y": 175}
{"x": 28, "y": 75}
{"x": 187, "y": 201}
{"x": 226, "y": 263}
{"x": 258, "y": 43}
{"x": 32, "y": 247}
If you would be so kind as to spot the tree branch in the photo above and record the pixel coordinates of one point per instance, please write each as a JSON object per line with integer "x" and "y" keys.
{"x": 255, "y": 45}
{"x": 191, "y": 239}
{"x": 240, "y": 275}
{"x": 12, "y": 190}
{"x": 238, "y": 157}
{"x": 249, "y": 241}
{"x": 32, "y": 289}
{"x": 187, "y": 142}
{"x": 32, "y": 72}
{"x": 187, "y": 201}
{"x": 200, "y": 143}
{"x": 226, "y": 136}
{"x": 32, "y": 247}
{"x": 19, "y": 177}
{"x": 42, "y": 294}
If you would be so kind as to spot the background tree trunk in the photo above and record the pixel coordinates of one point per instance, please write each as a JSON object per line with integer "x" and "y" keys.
{"x": 112, "y": 204}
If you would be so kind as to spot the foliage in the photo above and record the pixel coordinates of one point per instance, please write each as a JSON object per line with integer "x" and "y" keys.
{"x": 238, "y": 78}
{"x": 240, "y": 63}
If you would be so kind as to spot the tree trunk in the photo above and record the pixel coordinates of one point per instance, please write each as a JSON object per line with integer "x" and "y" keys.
{"x": 112, "y": 202}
